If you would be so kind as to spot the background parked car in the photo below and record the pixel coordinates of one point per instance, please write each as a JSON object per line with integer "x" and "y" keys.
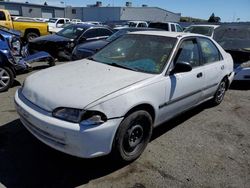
{"x": 235, "y": 39}
{"x": 207, "y": 30}
{"x": 167, "y": 26}
{"x": 61, "y": 44}
{"x": 57, "y": 29}
{"x": 89, "y": 48}
{"x": 13, "y": 57}
{"x": 133, "y": 24}
{"x": 57, "y": 22}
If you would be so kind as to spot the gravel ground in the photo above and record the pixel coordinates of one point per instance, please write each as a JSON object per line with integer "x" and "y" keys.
{"x": 205, "y": 147}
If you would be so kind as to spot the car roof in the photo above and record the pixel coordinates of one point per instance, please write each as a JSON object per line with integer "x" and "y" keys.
{"x": 205, "y": 25}
{"x": 167, "y": 34}
{"x": 84, "y": 25}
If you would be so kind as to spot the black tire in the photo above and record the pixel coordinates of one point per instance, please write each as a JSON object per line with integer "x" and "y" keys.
{"x": 132, "y": 136}
{"x": 52, "y": 62}
{"x": 31, "y": 35}
{"x": 220, "y": 93}
{"x": 6, "y": 78}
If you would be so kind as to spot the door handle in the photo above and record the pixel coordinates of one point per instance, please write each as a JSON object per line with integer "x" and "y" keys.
{"x": 199, "y": 75}
{"x": 222, "y": 67}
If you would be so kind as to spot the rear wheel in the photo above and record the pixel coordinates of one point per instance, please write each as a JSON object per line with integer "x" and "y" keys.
{"x": 220, "y": 93}
{"x": 133, "y": 136}
{"x": 6, "y": 78}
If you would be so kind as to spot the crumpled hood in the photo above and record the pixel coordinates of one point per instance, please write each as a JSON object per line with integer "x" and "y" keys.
{"x": 77, "y": 84}
{"x": 49, "y": 38}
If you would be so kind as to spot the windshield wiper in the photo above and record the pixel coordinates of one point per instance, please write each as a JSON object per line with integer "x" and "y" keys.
{"x": 122, "y": 66}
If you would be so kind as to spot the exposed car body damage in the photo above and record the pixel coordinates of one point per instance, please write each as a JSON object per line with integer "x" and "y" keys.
{"x": 14, "y": 57}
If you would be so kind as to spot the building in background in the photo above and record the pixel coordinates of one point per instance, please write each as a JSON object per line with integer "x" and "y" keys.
{"x": 95, "y": 12}
{"x": 32, "y": 10}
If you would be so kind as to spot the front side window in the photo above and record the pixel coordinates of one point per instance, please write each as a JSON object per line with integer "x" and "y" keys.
{"x": 209, "y": 51}
{"x": 188, "y": 52}
{"x": 143, "y": 53}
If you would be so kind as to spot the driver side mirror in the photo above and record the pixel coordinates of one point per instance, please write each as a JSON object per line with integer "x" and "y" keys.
{"x": 81, "y": 40}
{"x": 181, "y": 67}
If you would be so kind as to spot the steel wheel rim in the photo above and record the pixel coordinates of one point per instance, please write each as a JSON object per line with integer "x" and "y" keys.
{"x": 221, "y": 91}
{"x": 4, "y": 78}
{"x": 133, "y": 138}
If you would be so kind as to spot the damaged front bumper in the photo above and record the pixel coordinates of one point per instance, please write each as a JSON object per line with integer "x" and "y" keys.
{"x": 71, "y": 138}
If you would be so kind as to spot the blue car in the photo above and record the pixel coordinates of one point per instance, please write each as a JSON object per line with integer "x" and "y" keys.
{"x": 14, "y": 57}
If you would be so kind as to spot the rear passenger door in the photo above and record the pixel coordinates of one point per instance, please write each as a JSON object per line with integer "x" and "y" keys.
{"x": 213, "y": 65}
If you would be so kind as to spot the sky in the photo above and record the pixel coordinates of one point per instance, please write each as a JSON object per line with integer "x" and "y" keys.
{"x": 227, "y": 10}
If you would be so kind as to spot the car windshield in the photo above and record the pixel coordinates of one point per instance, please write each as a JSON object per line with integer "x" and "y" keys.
{"x": 203, "y": 30}
{"x": 116, "y": 35}
{"x": 52, "y": 20}
{"x": 71, "y": 32}
{"x": 143, "y": 53}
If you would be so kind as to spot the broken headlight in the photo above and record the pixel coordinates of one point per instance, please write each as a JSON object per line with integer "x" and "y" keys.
{"x": 79, "y": 116}
{"x": 15, "y": 45}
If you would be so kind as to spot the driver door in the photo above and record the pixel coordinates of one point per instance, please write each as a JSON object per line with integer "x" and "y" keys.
{"x": 184, "y": 90}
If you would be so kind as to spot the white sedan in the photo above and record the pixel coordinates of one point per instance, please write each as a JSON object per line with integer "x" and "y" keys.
{"x": 112, "y": 101}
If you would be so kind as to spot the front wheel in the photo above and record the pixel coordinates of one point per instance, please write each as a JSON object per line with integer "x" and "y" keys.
{"x": 133, "y": 136}
{"x": 31, "y": 35}
{"x": 6, "y": 78}
{"x": 220, "y": 93}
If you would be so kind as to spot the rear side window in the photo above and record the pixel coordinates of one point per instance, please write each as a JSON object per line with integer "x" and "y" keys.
{"x": 209, "y": 51}
{"x": 91, "y": 33}
{"x": 104, "y": 32}
{"x": 188, "y": 52}
{"x": 172, "y": 27}
{"x": 2, "y": 16}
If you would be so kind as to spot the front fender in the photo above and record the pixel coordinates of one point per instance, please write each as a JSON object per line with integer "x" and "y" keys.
{"x": 117, "y": 106}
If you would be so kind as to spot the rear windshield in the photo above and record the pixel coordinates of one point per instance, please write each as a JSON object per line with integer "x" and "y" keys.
{"x": 163, "y": 26}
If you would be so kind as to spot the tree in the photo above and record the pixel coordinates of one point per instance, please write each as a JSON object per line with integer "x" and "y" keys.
{"x": 45, "y": 3}
{"x": 214, "y": 18}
